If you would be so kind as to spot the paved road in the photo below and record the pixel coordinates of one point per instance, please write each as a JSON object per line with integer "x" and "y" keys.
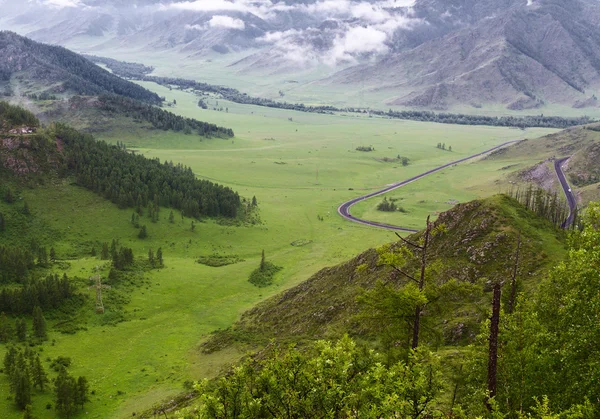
{"x": 567, "y": 190}
{"x": 344, "y": 209}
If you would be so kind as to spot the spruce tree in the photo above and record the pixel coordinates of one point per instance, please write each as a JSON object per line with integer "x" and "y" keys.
{"x": 52, "y": 254}
{"x": 2, "y": 222}
{"x": 82, "y": 393}
{"x": 28, "y": 413}
{"x": 104, "y": 254}
{"x": 5, "y": 329}
{"x": 151, "y": 257}
{"x": 22, "y": 387}
{"x": 171, "y": 217}
{"x": 40, "y": 378}
{"x": 143, "y": 232}
{"x": 39, "y": 323}
{"x": 65, "y": 393}
{"x": 21, "y": 328}
{"x": 159, "y": 257}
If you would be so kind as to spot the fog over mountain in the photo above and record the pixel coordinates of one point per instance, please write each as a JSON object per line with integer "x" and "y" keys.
{"x": 424, "y": 53}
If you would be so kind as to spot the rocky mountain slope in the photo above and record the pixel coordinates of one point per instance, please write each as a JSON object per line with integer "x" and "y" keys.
{"x": 434, "y": 54}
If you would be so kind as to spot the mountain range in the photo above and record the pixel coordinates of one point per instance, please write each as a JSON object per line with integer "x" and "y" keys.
{"x": 522, "y": 54}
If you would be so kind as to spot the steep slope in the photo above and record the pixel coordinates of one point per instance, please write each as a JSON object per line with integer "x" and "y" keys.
{"x": 478, "y": 246}
{"x": 520, "y": 56}
{"x": 59, "y": 70}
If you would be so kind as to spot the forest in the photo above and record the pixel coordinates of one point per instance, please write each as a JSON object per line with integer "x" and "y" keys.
{"x": 133, "y": 181}
{"x": 159, "y": 118}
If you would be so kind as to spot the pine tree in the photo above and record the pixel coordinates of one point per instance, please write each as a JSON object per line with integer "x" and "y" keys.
{"x": 65, "y": 393}
{"x": 171, "y": 217}
{"x": 52, "y": 254}
{"x": 159, "y": 257}
{"x": 262, "y": 261}
{"x": 254, "y": 202}
{"x": 143, "y": 232}
{"x": 104, "y": 254}
{"x": 5, "y": 329}
{"x": 40, "y": 378}
{"x": 83, "y": 390}
{"x": 21, "y": 328}
{"x": 39, "y": 323}
{"x": 193, "y": 226}
{"x": 2, "y": 222}
{"x": 151, "y": 257}
{"x": 22, "y": 387}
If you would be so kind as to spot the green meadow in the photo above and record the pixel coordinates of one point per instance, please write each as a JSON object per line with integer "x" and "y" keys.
{"x": 300, "y": 167}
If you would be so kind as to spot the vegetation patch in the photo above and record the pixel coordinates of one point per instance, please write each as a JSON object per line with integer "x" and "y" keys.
{"x": 263, "y": 275}
{"x": 216, "y": 260}
{"x": 389, "y": 205}
{"x": 365, "y": 148}
{"x": 301, "y": 242}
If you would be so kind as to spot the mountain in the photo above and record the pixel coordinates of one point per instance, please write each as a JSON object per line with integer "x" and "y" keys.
{"x": 436, "y": 54}
{"x": 59, "y": 70}
{"x": 520, "y": 55}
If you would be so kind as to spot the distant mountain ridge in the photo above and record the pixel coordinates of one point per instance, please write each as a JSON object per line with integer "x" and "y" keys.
{"x": 58, "y": 70}
{"x": 435, "y": 54}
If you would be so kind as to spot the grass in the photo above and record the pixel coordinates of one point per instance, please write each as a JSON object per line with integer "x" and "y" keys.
{"x": 170, "y": 311}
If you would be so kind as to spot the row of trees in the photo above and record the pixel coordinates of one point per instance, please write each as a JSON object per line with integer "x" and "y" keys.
{"x": 134, "y": 181}
{"x": 160, "y": 118}
{"x": 47, "y": 293}
{"x": 544, "y": 203}
{"x": 122, "y": 68}
{"x": 427, "y": 116}
{"x": 39, "y": 332}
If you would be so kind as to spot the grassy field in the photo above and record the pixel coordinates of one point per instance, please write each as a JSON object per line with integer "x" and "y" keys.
{"x": 300, "y": 167}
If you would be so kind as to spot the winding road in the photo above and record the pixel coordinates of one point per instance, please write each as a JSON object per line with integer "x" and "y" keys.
{"x": 344, "y": 209}
{"x": 567, "y": 190}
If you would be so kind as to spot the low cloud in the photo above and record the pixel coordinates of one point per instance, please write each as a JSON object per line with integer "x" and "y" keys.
{"x": 59, "y": 4}
{"x": 219, "y": 21}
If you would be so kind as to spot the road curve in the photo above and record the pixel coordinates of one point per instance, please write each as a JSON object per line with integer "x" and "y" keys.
{"x": 567, "y": 190}
{"x": 344, "y": 209}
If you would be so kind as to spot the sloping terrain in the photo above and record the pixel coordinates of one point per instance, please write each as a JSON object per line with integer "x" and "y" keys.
{"x": 522, "y": 57}
{"x": 58, "y": 70}
{"x": 477, "y": 247}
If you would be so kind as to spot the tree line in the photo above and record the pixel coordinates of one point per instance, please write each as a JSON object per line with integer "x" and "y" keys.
{"x": 140, "y": 72}
{"x": 161, "y": 119}
{"x": 122, "y": 68}
{"x": 46, "y": 293}
{"x": 133, "y": 181}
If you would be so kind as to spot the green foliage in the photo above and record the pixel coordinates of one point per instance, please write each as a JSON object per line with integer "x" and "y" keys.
{"x": 216, "y": 260}
{"x": 264, "y": 277}
{"x": 385, "y": 205}
{"x": 50, "y": 292}
{"x": 159, "y": 118}
{"x": 143, "y": 233}
{"x": 333, "y": 379}
{"x": 39, "y": 323}
{"x": 134, "y": 181}
{"x": 69, "y": 394}
{"x": 12, "y": 116}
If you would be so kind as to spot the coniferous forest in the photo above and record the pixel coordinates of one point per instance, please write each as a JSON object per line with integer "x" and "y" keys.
{"x": 133, "y": 181}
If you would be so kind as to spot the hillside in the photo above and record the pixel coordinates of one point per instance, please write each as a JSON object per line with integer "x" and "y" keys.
{"x": 522, "y": 56}
{"x": 430, "y": 54}
{"x": 477, "y": 248}
{"x": 56, "y": 70}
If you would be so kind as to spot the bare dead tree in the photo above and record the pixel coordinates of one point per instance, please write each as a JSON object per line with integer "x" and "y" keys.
{"x": 421, "y": 280}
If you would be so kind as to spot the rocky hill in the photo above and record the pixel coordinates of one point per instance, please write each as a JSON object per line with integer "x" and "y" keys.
{"x": 477, "y": 247}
